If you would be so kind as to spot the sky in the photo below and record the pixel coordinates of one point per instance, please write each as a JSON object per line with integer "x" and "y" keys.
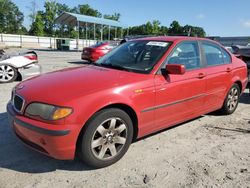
{"x": 217, "y": 17}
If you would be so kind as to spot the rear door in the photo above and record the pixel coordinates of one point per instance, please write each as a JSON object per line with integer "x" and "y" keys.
{"x": 179, "y": 97}
{"x": 218, "y": 74}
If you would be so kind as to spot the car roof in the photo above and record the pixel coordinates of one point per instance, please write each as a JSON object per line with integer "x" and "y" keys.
{"x": 174, "y": 38}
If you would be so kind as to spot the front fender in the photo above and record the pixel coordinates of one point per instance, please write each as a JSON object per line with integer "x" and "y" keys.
{"x": 87, "y": 106}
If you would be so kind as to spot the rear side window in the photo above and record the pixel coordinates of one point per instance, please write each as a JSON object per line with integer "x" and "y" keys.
{"x": 226, "y": 56}
{"x": 213, "y": 54}
{"x": 186, "y": 53}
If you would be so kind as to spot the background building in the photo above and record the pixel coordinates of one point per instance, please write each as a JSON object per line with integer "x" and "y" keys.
{"x": 229, "y": 41}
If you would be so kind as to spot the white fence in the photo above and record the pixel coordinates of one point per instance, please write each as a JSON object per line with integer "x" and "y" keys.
{"x": 26, "y": 41}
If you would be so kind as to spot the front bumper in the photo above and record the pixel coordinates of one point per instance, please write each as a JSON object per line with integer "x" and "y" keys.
{"x": 30, "y": 70}
{"x": 56, "y": 141}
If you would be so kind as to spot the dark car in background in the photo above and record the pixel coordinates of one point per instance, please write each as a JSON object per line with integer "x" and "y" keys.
{"x": 243, "y": 52}
{"x": 93, "y": 53}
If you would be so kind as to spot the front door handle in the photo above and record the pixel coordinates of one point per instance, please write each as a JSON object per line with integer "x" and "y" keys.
{"x": 201, "y": 75}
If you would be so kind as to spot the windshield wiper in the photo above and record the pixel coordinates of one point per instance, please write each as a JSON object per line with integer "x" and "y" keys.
{"x": 109, "y": 65}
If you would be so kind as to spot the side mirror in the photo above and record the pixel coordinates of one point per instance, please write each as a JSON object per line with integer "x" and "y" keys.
{"x": 175, "y": 69}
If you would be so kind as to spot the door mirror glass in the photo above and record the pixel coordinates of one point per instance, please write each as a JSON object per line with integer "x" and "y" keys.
{"x": 175, "y": 69}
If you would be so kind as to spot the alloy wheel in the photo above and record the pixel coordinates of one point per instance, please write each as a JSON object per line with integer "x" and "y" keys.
{"x": 7, "y": 73}
{"x": 109, "y": 138}
{"x": 232, "y": 99}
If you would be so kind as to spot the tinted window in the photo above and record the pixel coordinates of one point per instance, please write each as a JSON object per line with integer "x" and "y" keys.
{"x": 226, "y": 56}
{"x": 213, "y": 54}
{"x": 187, "y": 54}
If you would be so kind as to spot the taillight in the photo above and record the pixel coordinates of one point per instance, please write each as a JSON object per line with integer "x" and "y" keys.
{"x": 31, "y": 57}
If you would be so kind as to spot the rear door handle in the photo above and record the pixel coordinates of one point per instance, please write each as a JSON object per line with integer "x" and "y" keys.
{"x": 201, "y": 75}
{"x": 228, "y": 69}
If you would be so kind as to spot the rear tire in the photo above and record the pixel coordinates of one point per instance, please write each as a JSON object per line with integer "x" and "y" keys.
{"x": 7, "y": 73}
{"x": 106, "y": 138}
{"x": 232, "y": 99}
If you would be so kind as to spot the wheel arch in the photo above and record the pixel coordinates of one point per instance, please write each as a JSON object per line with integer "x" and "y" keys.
{"x": 239, "y": 84}
{"x": 237, "y": 80}
{"x": 126, "y": 108}
{"x": 130, "y": 111}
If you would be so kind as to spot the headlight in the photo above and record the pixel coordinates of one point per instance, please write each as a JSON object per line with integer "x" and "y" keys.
{"x": 46, "y": 111}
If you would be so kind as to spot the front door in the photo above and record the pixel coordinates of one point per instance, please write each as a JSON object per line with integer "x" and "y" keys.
{"x": 180, "y": 97}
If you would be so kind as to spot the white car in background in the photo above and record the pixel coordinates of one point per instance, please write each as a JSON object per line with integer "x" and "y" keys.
{"x": 18, "y": 67}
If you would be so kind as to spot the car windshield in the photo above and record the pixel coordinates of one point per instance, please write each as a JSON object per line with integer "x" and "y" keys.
{"x": 135, "y": 56}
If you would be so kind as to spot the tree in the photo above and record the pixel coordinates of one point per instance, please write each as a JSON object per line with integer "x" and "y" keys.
{"x": 150, "y": 28}
{"x": 37, "y": 27}
{"x": 63, "y": 30}
{"x": 22, "y": 31}
{"x": 175, "y": 29}
{"x": 86, "y": 10}
{"x": 50, "y": 16}
{"x": 156, "y": 27}
{"x": 115, "y": 16}
{"x": 62, "y": 8}
{"x": 163, "y": 30}
{"x": 11, "y": 18}
{"x": 194, "y": 31}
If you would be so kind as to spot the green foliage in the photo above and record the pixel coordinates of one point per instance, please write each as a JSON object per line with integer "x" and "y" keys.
{"x": 115, "y": 16}
{"x": 150, "y": 28}
{"x": 37, "y": 27}
{"x": 187, "y": 30}
{"x": 62, "y": 8}
{"x": 49, "y": 16}
{"x": 11, "y": 18}
{"x": 73, "y": 34}
{"x": 194, "y": 31}
{"x": 175, "y": 29}
{"x": 86, "y": 10}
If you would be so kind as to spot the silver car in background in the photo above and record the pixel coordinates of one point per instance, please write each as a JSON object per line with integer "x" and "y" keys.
{"x": 18, "y": 67}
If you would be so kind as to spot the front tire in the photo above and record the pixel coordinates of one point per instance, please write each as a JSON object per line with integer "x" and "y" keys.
{"x": 106, "y": 138}
{"x": 7, "y": 73}
{"x": 231, "y": 101}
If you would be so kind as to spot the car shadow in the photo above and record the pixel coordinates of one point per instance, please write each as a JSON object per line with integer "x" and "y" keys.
{"x": 79, "y": 62}
{"x": 245, "y": 98}
{"x": 14, "y": 155}
{"x": 168, "y": 128}
{"x": 247, "y": 131}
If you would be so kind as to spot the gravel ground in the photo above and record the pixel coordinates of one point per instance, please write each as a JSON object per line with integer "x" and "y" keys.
{"x": 210, "y": 151}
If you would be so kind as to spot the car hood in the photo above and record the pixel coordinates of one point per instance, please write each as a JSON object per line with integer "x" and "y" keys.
{"x": 68, "y": 84}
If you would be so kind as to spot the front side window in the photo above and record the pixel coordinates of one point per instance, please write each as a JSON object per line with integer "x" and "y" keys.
{"x": 213, "y": 54}
{"x": 187, "y": 54}
{"x": 136, "y": 56}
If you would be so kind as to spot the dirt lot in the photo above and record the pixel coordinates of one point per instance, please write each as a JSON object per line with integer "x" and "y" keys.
{"x": 210, "y": 151}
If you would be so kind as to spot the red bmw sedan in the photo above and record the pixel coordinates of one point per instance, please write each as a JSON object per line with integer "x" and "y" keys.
{"x": 141, "y": 87}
